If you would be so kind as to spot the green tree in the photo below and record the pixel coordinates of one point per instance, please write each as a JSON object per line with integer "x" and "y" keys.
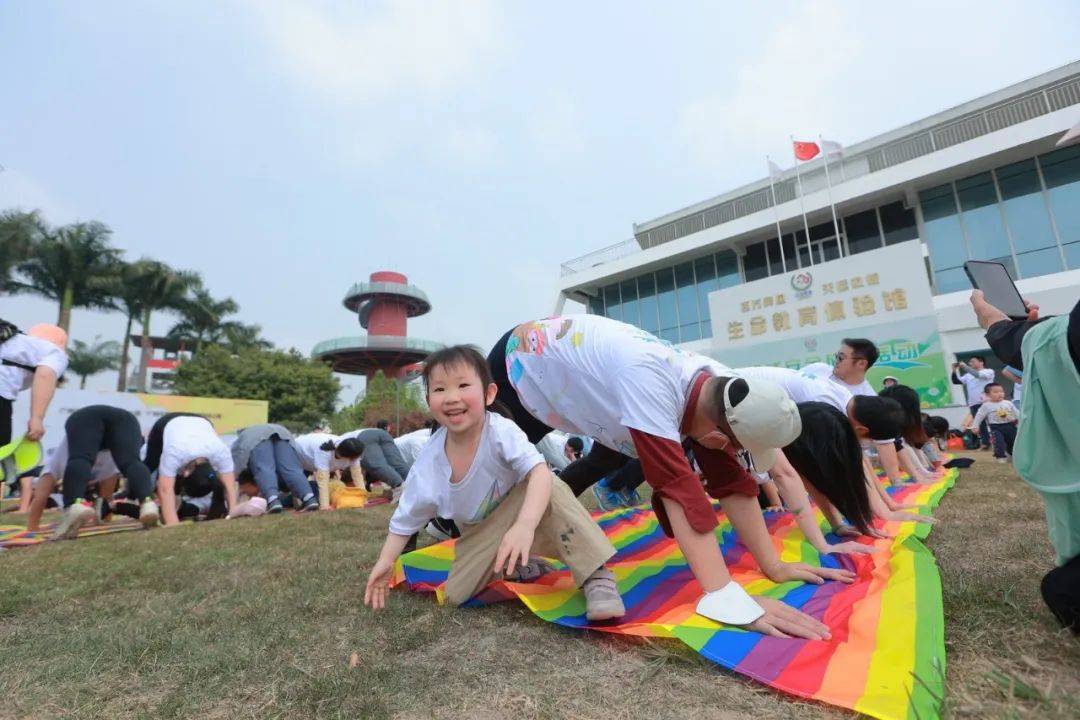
{"x": 18, "y": 231}
{"x": 89, "y": 359}
{"x": 73, "y": 265}
{"x": 384, "y": 399}
{"x": 202, "y": 318}
{"x": 160, "y": 287}
{"x": 301, "y": 391}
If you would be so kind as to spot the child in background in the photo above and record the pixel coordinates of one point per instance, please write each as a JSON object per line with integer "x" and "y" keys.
{"x": 1002, "y": 417}
{"x": 480, "y": 470}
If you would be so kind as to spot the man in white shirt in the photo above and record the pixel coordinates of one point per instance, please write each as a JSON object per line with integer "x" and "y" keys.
{"x": 35, "y": 359}
{"x": 975, "y": 376}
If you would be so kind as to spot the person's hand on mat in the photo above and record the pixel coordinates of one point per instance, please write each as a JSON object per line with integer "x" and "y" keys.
{"x": 851, "y": 547}
{"x": 378, "y": 583}
{"x": 774, "y": 508}
{"x": 846, "y": 530}
{"x": 782, "y": 620}
{"x": 783, "y": 572}
{"x": 35, "y": 429}
{"x": 902, "y": 516}
{"x": 514, "y": 549}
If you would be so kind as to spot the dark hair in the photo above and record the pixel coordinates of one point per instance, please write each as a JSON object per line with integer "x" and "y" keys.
{"x": 980, "y": 358}
{"x": 576, "y": 444}
{"x": 863, "y": 348}
{"x": 990, "y": 385}
{"x": 739, "y": 390}
{"x": 382, "y": 424}
{"x": 940, "y": 425}
{"x": 202, "y": 479}
{"x": 351, "y": 448}
{"x": 909, "y": 401}
{"x": 883, "y": 417}
{"x": 431, "y": 424}
{"x": 467, "y": 355}
{"x": 828, "y": 454}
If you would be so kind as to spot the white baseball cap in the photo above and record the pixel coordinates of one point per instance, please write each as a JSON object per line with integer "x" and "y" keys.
{"x": 766, "y": 419}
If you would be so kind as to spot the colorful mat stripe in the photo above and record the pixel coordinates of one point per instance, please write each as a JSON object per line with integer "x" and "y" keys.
{"x": 19, "y": 536}
{"x": 886, "y": 657}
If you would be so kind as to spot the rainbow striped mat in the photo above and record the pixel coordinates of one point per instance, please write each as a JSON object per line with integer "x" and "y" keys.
{"x": 886, "y": 657}
{"x": 19, "y": 536}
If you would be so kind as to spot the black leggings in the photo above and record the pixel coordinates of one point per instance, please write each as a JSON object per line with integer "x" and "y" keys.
{"x": 102, "y": 427}
{"x": 6, "y": 411}
{"x": 581, "y": 474}
{"x": 155, "y": 441}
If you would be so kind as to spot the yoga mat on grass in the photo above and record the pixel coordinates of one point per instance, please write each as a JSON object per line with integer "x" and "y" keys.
{"x": 19, "y": 536}
{"x": 886, "y": 657}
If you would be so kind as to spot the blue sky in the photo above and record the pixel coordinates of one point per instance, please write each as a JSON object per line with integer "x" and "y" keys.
{"x": 288, "y": 149}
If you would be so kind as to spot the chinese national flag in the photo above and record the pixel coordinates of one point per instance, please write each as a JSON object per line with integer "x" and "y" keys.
{"x": 805, "y": 150}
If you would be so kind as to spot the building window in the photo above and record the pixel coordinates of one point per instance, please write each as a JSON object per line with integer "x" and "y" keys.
{"x": 944, "y": 237}
{"x": 665, "y": 296}
{"x": 650, "y": 321}
{"x": 628, "y": 289}
{"x": 686, "y": 294}
{"x": 897, "y": 223}
{"x": 981, "y": 217}
{"x": 596, "y": 305}
{"x": 611, "y": 302}
{"x": 1061, "y": 172}
{"x": 863, "y": 232}
{"x": 755, "y": 263}
{"x": 705, "y": 273}
{"x": 1028, "y": 220}
{"x": 776, "y": 262}
{"x": 727, "y": 268}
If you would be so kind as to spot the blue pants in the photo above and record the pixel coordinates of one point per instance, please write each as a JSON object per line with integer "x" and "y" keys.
{"x": 275, "y": 467}
{"x": 984, "y": 428}
{"x": 1004, "y": 437}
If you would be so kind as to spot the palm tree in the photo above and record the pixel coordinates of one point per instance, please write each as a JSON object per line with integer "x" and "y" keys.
{"x": 85, "y": 360}
{"x": 239, "y": 336}
{"x": 159, "y": 287}
{"x": 202, "y": 319}
{"x": 73, "y": 265}
{"x": 18, "y": 233}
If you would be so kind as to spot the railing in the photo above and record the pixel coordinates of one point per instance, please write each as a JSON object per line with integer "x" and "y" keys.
{"x": 600, "y": 257}
{"x": 376, "y": 342}
{"x": 968, "y": 127}
{"x": 388, "y": 288}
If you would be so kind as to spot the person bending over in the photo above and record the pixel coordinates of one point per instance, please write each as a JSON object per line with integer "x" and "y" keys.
{"x": 190, "y": 459}
{"x": 267, "y": 453}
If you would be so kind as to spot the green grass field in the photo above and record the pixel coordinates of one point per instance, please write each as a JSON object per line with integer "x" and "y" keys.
{"x": 262, "y": 618}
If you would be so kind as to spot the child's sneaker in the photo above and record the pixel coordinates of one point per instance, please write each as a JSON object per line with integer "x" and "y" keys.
{"x": 605, "y": 498}
{"x": 274, "y": 507}
{"x": 630, "y": 498}
{"x": 1003, "y": 461}
{"x": 602, "y": 599}
{"x": 531, "y": 571}
{"x": 310, "y": 505}
{"x": 75, "y": 517}
{"x": 148, "y": 513}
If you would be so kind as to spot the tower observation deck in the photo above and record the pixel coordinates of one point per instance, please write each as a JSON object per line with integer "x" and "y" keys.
{"x": 383, "y": 304}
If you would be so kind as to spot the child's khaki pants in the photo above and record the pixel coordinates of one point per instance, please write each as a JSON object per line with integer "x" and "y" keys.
{"x": 565, "y": 532}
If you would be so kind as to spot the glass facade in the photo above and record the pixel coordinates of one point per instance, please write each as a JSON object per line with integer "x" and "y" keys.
{"x": 673, "y": 302}
{"x": 1025, "y": 215}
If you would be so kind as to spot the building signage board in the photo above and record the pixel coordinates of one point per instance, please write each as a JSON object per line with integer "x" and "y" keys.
{"x": 801, "y": 317}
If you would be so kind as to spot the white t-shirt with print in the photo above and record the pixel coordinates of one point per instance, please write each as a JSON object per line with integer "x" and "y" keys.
{"x": 590, "y": 375}
{"x": 187, "y": 438}
{"x": 313, "y": 458}
{"x": 32, "y": 352}
{"x": 103, "y": 467}
{"x": 800, "y": 387}
{"x": 503, "y": 458}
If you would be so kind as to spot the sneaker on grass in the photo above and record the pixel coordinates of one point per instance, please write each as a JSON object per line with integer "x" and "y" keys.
{"x": 274, "y": 507}
{"x": 148, "y": 513}
{"x": 605, "y": 498}
{"x": 80, "y": 514}
{"x": 310, "y": 505}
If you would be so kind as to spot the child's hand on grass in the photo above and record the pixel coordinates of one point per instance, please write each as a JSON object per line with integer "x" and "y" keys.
{"x": 514, "y": 549}
{"x": 378, "y": 584}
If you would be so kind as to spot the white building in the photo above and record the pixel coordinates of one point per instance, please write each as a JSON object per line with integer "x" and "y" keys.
{"x": 982, "y": 180}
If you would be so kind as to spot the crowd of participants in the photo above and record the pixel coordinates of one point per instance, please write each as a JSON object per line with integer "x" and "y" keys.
{"x": 566, "y": 404}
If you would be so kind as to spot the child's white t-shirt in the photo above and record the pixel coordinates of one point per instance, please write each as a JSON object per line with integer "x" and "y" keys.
{"x": 32, "y": 352}
{"x": 313, "y": 458}
{"x": 103, "y": 467}
{"x": 503, "y": 458}
{"x": 996, "y": 413}
{"x": 186, "y": 438}
{"x": 590, "y": 375}
{"x": 800, "y": 387}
